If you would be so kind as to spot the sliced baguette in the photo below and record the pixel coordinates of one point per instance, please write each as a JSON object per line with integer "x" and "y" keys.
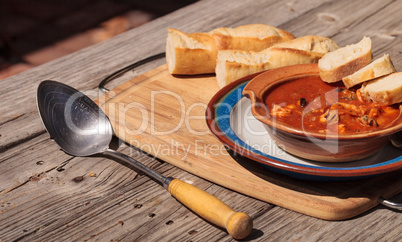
{"x": 196, "y": 53}
{"x": 345, "y": 61}
{"x": 253, "y": 37}
{"x": 190, "y": 53}
{"x": 380, "y": 67}
{"x": 385, "y": 90}
{"x": 235, "y": 64}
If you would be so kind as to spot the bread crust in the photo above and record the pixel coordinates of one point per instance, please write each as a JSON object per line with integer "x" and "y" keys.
{"x": 190, "y": 53}
{"x": 196, "y": 53}
{"x": 380, "y": 67}
{"x": 335, "y": 75}
{"x": 385, "y": 90}
{"x": 348, "y": 60}
{"x": 253, "y": 37}
{"x": 234, "y": 64}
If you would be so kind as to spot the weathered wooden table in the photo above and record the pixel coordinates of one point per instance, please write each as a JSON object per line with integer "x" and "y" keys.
{"x": 47, "y": 195}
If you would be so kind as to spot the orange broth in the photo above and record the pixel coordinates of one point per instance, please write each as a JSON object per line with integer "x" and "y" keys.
{"x": 312, "y": 105}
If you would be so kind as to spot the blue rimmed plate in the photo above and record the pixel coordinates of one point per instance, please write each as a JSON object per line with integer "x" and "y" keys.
{"x": 229, "y": 118}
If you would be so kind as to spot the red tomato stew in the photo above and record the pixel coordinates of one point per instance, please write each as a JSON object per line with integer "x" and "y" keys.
{"x": 312, "y": 105}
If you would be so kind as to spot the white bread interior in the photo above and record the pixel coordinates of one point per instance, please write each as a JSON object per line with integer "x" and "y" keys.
{"x": 185, "y": 52}
{"x": 385, "y": 90}
{"x": 254, "y": 37}
{"x": 235, "y": 64}
{"x": 345, "y": 61}
{"x": 380, "y": 67}
{"x": 196, "y": 53}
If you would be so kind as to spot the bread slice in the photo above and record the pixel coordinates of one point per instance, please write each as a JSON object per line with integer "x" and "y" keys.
{"x": 380, "y": 67}
{"x": 253, "y": 37}
{"x": 196, "y": 53}
{"x": 235, "y": 64}
{"x": 190, "y": 53}
{"x": 385, "y": 90}
{"x": 345, "y": 61}
{"x": 311, "y": 43}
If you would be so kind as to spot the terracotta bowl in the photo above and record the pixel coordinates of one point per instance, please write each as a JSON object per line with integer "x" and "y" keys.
{"x": 312, "y": 145}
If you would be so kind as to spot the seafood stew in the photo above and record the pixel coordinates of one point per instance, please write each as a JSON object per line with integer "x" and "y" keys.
{"x": 312, "y": 105}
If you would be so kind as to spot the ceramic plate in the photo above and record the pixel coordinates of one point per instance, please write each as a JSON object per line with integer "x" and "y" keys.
{"x": 229, "y": 118}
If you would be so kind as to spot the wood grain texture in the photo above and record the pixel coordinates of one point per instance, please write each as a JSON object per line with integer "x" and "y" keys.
{"x": 41, "y": 200}
{"x": 86, "y": 68}
{"x": 163, "y": 115}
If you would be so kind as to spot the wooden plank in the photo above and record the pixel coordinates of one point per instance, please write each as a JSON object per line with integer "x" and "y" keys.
{"x": 347, "y": 22}
{"x": 53, "y": 205}
{"x": 164, "y": 115}
{"x": 113, "y": 195}
{"x": 86, "y": 68}
{"x": 376, "y": 225}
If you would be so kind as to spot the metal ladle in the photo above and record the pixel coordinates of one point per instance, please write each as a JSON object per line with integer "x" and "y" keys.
{"x": 81, "y": 128}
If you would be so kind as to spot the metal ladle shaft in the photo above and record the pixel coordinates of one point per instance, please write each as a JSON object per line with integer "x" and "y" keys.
{"x": 80, "y": 128}
{"x": 165, "y": 181}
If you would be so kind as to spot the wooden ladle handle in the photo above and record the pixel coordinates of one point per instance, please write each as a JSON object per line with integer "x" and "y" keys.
{"x": 238, "y": 224}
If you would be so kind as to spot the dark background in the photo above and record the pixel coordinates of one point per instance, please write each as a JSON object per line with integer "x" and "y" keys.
{"x": 33, "y": 32}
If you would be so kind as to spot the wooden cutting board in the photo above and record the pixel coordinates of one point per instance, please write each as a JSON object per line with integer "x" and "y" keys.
{"x": 164, "y": 116}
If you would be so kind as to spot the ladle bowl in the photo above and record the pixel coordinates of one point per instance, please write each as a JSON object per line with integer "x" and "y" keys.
{"x": 81, "y": 128}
